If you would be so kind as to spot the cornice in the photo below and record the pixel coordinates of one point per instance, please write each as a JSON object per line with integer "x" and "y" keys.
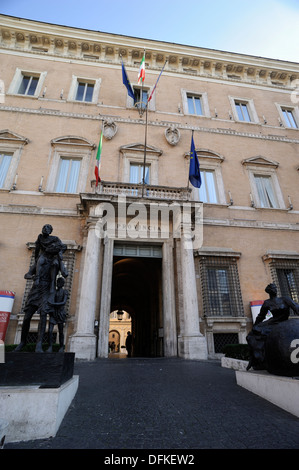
{"x": 164, "y": 124}
{"x": 92, "y": 198}
{"x": 68, "y": 43}
{"x": 262, "y": 224}
{"x": 278, "y": 255}
{"x": 35, "y": 210}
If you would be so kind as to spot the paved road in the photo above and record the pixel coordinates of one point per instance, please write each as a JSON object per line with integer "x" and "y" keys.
{"x": 167, "y": 404}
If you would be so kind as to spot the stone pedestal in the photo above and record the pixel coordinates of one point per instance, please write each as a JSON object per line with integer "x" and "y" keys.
{"x": 36, "y": 390}
{"x": 33, "y": 412}
{"x": 281, "y": 391}
{"x": 46, "y": 370}
{"x": 236, "y": 364}
{"x": 192, "y": 347}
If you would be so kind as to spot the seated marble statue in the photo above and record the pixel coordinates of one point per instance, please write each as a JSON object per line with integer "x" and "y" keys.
{"x": 280, "y": 308}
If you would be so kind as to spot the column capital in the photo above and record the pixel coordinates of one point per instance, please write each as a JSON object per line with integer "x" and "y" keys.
{"x": 91, "y": 223}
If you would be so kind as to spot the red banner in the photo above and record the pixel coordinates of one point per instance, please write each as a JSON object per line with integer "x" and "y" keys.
{"x": 4, "y": 320}
{"x": 6, "y": 304}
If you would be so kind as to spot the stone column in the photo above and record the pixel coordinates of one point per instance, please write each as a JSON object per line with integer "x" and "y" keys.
{"x": 105, "y": 298}
{"x": 191, "y": 343}
{"x": 83, "y": 342}
{"x": 169, "y": 314}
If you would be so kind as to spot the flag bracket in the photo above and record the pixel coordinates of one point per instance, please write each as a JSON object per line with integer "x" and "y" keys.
{"x": 141, "y": 106}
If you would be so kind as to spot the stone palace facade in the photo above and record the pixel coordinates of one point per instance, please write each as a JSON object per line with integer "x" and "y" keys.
{"x": 60, "y": 87}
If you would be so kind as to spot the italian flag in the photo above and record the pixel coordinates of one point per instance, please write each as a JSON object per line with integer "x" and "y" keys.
{"x": 98, "y": 159}
{"x": 141, "y": 75}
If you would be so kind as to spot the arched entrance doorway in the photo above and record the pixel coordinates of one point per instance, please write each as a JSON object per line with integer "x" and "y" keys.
{"x": 136, "y": 289}
{"x": 120, "y": 324}
{"x": 114, "y": 341}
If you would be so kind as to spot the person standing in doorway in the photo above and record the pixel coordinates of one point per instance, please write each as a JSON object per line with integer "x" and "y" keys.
{"x": 129, "y": 340}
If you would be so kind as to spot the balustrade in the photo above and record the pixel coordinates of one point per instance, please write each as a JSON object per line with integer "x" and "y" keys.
{"x": 137, "y": 190}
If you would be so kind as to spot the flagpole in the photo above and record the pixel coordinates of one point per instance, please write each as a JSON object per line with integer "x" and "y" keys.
{"x": 145, "y": 145}
{"x": 98, "y": 156}
{"x": 146, "y": 120}
{"x": 145, "y": 136}
{"x": 141, "y": 96}
{"x": 189, "y": 164}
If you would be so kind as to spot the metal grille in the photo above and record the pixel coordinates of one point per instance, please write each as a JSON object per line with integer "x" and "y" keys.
{"x": 221, "y": 287}
{"x": 285, "y": 274}
{"x": 32, "y": 337}
{"x": 222, "y": 339}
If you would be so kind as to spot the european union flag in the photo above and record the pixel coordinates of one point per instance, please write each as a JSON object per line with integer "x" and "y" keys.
{"x": 194, "y": 171}
{"x": 126, "y": 81}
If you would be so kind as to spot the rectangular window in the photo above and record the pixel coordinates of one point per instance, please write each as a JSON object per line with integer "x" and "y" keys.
{"x": 68, "y": 175}
{"x": 219, "y": 298}
{"x": 136, "y": 173}
{"x": 194, "y": 105}
{"x": 208, "y": 191}
{"x": 141, "y": 96}
{"x": 84, "y": 92}
{"x": 266, "y": 194}
{"x": 28, "y": 85}
{"x": 287, "y": 283}
{"x": 242, "y": 111}
{"x": 220, "y": 287}
{"x": 5, "y": 160}
{"x": 289, "y": 119}
{"x": 285, "y": 274}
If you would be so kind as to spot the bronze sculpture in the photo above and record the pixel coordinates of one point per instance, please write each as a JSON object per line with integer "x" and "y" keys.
{"x": 48, "y": 264}
{"x": 58, "y": 314}
{"x": 266, "y": 335}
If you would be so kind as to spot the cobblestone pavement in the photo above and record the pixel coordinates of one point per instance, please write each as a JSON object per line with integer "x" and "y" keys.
{"x": 164, "y": 403}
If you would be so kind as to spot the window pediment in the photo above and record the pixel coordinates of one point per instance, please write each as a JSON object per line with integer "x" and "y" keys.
{"x": 71, "y": 140}
{"x": 8, "y": 136}
{"x": 139, "y": 148}
{"x": 260, "y": 161}
{"x": 207, "y": 155}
